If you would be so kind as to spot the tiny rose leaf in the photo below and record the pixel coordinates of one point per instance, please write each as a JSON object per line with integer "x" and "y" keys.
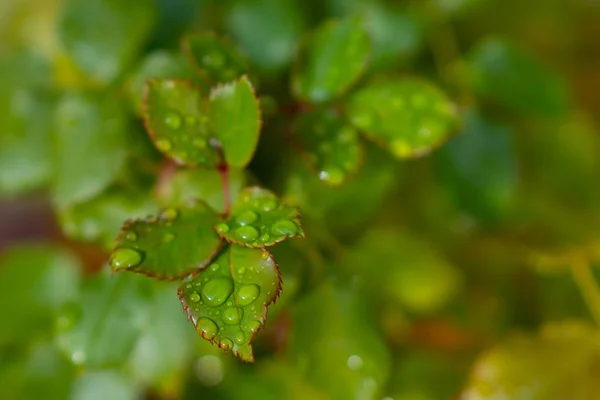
{"x": 331, "y": 146}
{"x": 260, "y": 219}
{"x": 228, "y": 301}
{"x": 410, "y": 116}
{"x": 235, "y": 120}
{"x": 331, "y": 60}
{"x": 215, "y": 60}
{"x": 171, "y": 246}
{"x": 176, "y": 118}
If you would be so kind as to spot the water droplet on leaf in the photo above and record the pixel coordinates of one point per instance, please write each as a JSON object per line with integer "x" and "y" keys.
{"x": 247, "y": 294}
{"x": 125, "y": 258}
{"x": 269, "y": 205}
{"x": 246, "y": 218}
{"x": 163, "y": 145}
{"x": 207, "y": 328}
{"x": 284, "y": 228}
{"x": 173, "y": 120}
{"x": 240, "y": 337}
{"x": 216, "y": 292}
{"x": 132, "y": 236}
{"x": 222, "y": 228}
{"x": 195, "y": 297}
{"x": 265, "y": 255}
{"x": 246, "y": 233}
{"x": 231, "y": 316}
{"x": 226, "y": 344}
{"x": 241, "y": 270}
{"x": 254, "y": 326}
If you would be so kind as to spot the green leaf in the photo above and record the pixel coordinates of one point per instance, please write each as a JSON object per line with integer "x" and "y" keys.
{"x": 176, "y": 243}
{"x": 90, "y": 146}
{"x": 102, "y": 326}
{"x": 25, "y": 140}
{"x": 103, "y": 36}
{"x": 176, "y": 118}
{"x": 187, "y": 185}
{"x": 227, "y": 302}
{"x": 501, "y": 71}
{"x": 235, "y": 120}
{"x": 332, "y": 59}
{"x": 519, "y": 367}
{"x": 268, "y": 31}
{"x": 215, "y": 60}
{"x": 35, "y": 282}
{"x": 479, "y": 166}
{"x": 158, "y": 64}
{"x": 332, "y": 147}
{"x": 409, "y": 116}
{"x": 107, "y": 384}
{"x": 397, "y": 33}
{"x": 259, "y": 219}
{"x": 336, "y": 345}
{"x": 100, "y": 219}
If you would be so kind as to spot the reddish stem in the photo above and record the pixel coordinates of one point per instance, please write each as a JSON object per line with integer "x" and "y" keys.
{"x": 164, "y": 177}
{"x": 224, "y": 171}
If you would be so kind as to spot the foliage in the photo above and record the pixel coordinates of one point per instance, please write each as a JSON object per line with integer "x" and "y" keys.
{"x": 346, "y": 199}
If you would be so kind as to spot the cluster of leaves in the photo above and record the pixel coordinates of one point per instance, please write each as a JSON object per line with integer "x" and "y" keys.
{"x": 445, "y": 195}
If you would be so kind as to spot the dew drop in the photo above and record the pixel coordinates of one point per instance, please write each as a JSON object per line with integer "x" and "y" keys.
{"x": 214, "y": 267}
{"x": 207, "y": 328}
{"x": 163, "y": 145}
{"x": 246, "y": 218}
{"x": 265, "y": 255}
{"x": 169, "y": 214}
{"x": 226, "y": 344}
{"x": 246, "y": 233}
{"x": 195, "y": 297}
{"x": 125, "y": 258}
{"x": 239, "y": 337}
{"x": 173, "y": 120}
{"x": 241, "y": 270}
{"x": 265, "y": 237}
{"x": 216, "y": 292}
{"x": 254, "y": 326}
{"x": 131, "y": 236}
{"x": 231, "y": 316}
{"x": 247, "y": 294}
{"x": 222, "y": 228}
{"x": 269, "y": 205}
{"x": 284, "y": 228}
{"x": 188, "y": 286}
{"x": 334, "y": 176}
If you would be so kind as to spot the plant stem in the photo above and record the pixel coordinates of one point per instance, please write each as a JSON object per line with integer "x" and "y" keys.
{"x": 224, "y": 171}
{"x": 582, "y": 274}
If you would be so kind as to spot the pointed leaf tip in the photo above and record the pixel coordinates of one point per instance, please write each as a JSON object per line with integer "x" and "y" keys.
{"x": 228, "y": 301}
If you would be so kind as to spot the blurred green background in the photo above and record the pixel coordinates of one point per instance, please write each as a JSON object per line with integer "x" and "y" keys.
{"x": 470, "y": 273}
